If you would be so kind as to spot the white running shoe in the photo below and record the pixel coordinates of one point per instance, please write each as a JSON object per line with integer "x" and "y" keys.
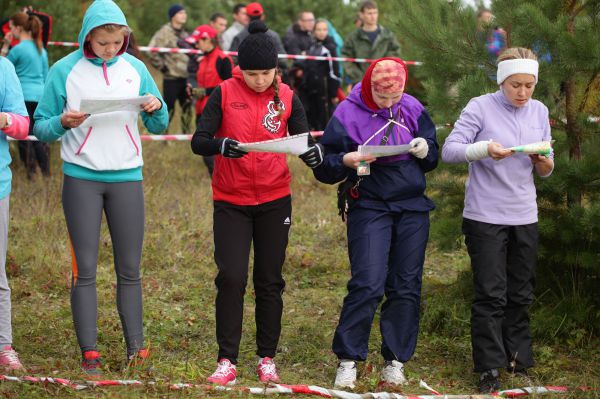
{"x": 393, "y": 373}
{"x": 346, "y": 374}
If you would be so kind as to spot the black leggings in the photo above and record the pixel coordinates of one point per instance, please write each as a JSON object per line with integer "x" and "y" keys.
{"x": 123, "y": 205}
{"x": 235, "y": 228}
{"x": 175, "y": 90}
{"x": 34, "y": 153}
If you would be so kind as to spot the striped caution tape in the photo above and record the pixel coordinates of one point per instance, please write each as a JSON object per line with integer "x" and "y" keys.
{"x": 279, "y": 389}
{"x": 234, "y": 53}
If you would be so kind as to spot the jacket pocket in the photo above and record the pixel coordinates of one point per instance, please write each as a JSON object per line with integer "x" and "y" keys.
{"x": 135, "y": 146}
{"x": 87, "y": 136}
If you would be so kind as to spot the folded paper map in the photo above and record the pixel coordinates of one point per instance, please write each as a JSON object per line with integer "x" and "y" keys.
{"x": 542, "y": 148}
{"x": 383, "y": 150}
{"x": 296, "y": 145}
{"x": 100, "y": 106}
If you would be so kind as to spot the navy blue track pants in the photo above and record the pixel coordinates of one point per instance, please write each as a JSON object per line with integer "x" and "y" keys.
{"x": 387, "y": 251}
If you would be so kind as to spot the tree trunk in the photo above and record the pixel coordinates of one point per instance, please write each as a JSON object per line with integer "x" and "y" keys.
{"x": 574, "y": 136}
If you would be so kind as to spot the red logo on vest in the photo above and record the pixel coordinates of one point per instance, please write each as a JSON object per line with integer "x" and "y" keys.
{"x": 238, "y": 105}
{"x": 271, "y": 120}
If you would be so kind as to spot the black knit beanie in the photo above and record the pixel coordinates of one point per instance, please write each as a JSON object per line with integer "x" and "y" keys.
{"x": 257, "y": 51}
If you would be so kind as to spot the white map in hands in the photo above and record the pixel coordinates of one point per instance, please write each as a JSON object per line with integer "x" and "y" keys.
{"x": 297, "y": 144}
{"x": 383, "y": 150}
{"x": 103, "y": 105}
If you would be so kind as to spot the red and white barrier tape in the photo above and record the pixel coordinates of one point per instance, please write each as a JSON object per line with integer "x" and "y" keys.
{"x": 176, "y": 137}
{"x": 143, "y": 137}
{"x": 278, "y": 389}
{"x": 234, "y": 53}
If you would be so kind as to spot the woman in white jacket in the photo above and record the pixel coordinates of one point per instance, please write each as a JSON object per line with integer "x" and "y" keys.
{"x": 102, "y": 157}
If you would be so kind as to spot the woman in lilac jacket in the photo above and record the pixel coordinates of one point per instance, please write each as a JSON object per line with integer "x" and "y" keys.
{"x": 500, "y": 213}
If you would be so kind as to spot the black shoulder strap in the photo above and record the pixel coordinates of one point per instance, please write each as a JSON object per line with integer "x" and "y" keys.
{"x": 389, "y": 129}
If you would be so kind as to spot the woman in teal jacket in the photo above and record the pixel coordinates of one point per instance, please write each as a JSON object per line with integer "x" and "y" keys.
{"x": 102, "y": 156}
{"x": 14, "y": 123}
{"x": 31, "y": 63}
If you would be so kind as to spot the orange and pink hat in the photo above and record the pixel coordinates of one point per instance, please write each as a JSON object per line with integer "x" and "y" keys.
{"x": 386, "y": 75}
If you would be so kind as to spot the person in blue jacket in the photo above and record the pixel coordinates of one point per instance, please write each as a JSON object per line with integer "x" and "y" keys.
{"x": 102, "y": 156}
{"x": 14, "y": 122}
{"x": 387, "y": 219}
{"x": 31, "y": 63}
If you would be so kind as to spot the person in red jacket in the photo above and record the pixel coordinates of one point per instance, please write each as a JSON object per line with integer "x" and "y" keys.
{"x": 251, "y": 193}
{"x": 214, "y": 67}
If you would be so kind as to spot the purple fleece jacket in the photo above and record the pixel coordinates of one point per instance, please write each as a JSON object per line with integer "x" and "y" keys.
{"x": 499, "y": 192}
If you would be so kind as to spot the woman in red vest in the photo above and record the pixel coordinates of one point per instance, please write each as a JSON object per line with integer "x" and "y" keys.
{"x": 214, "y": 67}
{"x": 251, "y": 193}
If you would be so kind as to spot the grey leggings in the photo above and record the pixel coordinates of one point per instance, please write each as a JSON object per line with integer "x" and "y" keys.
{"x": 5, "y": 308}
{"x": 123, "y": 204}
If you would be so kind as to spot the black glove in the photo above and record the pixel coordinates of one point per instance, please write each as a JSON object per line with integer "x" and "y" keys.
{"x": 229, "y": 148}
{"x": 313, "y": 157}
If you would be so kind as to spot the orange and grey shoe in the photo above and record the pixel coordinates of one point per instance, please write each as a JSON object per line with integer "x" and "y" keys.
{"x": 139, "y": 358}
{"x": 91, "y": 364}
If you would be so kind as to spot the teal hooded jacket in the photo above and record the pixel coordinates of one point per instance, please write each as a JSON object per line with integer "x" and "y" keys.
{"x": 106, "y": 147}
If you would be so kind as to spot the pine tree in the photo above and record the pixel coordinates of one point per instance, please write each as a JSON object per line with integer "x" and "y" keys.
{"x": 564, "y": 34}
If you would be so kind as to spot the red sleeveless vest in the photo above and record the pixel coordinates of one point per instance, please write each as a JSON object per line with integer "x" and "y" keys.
{"x": 248, "y": 117}
{"x": 207, "y": 75}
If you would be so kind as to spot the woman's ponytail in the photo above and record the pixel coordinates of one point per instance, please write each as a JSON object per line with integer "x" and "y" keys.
{"x": 35, "y": 26}
{"x": 29, "y": 23}
{"x": 276, "y": 99}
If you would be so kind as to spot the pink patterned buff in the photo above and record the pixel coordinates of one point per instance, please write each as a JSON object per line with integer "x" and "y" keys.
{"x": 388, "y": 77}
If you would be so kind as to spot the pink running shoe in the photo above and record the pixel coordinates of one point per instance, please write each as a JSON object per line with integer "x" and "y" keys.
{"x": 266, "y": 370}
{"x": 225, "y": 373}
{"x": 9, "y": 359}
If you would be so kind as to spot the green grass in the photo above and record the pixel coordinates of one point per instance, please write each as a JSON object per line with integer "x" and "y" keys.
{"x": 178, "y": 272}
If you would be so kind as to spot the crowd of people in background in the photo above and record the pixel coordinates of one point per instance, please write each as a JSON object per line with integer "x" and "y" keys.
{"x": 254, "y": 96}
{"x": 315, "y": 82}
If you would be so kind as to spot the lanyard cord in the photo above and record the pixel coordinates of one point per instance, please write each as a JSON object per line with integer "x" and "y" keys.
{"x": 390, "y": 120}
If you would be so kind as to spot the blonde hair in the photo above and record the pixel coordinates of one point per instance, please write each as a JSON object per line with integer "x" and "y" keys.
{"x": 276, "y": 99}
{"x": 110, "y": 28}
{"x": 516, "y": 53}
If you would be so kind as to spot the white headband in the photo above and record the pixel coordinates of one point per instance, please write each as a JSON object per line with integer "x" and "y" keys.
{"x": 511, "y": 67}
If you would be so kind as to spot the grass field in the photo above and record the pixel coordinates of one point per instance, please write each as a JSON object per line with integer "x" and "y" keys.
{"x": 178, "y": 273}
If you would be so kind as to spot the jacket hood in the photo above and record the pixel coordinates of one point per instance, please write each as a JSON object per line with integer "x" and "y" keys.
{"x": 101, "y": 12}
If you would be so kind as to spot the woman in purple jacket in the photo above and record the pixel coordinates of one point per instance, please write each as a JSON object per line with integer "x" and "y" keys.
{"x": 500, "y": 214}
{"x": 388, "y": 221}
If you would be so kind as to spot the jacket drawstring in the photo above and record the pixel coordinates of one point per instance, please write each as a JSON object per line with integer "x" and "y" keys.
{"x": 105, "y": 71}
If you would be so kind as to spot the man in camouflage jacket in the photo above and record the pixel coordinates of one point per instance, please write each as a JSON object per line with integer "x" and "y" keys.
{"x": 173, "y": 66}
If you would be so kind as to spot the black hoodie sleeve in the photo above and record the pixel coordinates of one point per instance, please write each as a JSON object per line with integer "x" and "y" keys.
{"x": 297, "y": 123}
{"x": 224, "y": 68}
{"x": 203, "y": 141}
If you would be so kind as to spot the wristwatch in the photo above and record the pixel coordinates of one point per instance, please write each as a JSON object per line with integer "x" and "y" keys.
{"x": 8, "y": 120}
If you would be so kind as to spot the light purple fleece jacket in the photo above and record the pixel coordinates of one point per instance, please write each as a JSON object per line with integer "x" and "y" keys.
{"x": 499, "y": 192}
